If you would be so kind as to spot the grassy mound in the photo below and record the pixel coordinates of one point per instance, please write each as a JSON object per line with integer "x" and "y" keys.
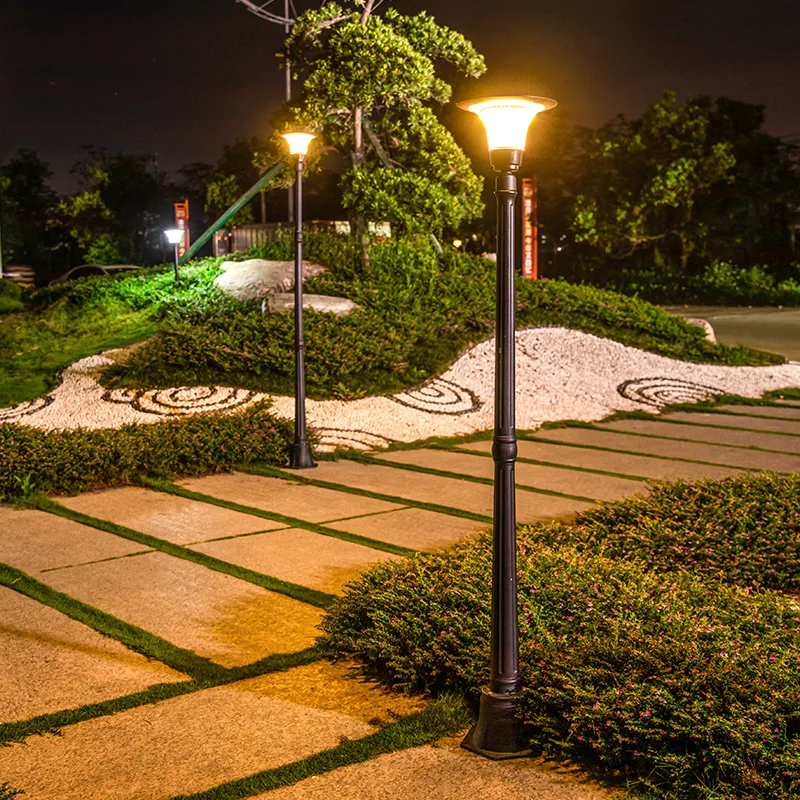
{"x": 686, "y": 686}
{"x": 743, "y": 530}
{"x": 418, "y": 311}
{"x": 71, "y": 461}
{"x": 64, "y": 322}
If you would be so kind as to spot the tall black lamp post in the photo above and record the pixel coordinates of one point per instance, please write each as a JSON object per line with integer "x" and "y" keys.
{"x": 498, "y": 732}
{"x": 300, "y": 456}
{"x": 175, "y": 237}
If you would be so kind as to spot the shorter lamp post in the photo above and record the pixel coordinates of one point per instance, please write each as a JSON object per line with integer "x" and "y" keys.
{"x": 300, "y": 456}
{"x": 498, "y": 732}
{"x": 175, "y": 237}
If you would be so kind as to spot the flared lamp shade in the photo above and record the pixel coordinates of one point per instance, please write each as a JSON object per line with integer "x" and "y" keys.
{"x": 174, "y": 235}
{"x": 298, "y": 142}
{"x": 507, "y": 119}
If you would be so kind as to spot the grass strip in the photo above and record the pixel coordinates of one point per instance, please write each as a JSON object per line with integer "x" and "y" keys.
{"x": 713, "y": 426}
{"x": 443, "y": 717}
{"x": 133, "y": 637}
{"x": 267, "y": 471}
{"x": 50, "y": 723}
{"x": 295, "y": 591}
{"x": 713, "y": 403}
{"x": 531, "y": 437}
{"x": 524, "y": 460}
{"x": 539, "y": 463}
{"x": 443, "y": 473}
{"x": 592, "y": 427}
{"x": 291, "y": 522}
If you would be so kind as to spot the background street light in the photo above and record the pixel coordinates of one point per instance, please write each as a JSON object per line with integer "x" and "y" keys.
{"x": 300, "y": 456}
{"x": 498, "y": 732}
{"x": 175, "y": 237}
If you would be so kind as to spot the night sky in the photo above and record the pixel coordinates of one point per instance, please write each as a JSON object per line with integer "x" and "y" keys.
{"x": 182, "y": 79}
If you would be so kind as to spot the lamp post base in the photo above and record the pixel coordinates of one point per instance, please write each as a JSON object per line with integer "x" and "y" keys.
{"x": 498, "y": 734}
{"x": 300, "y": 456}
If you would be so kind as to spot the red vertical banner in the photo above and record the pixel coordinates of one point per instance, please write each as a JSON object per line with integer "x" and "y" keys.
{"x": 182, "y": 222}
{"x": 530, "y": 229}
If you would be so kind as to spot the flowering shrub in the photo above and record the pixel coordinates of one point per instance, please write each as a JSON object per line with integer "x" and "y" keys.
{"x": 72, "y": 461}
{"x": 743, "y": 530}
{"x": 688, "y": 689}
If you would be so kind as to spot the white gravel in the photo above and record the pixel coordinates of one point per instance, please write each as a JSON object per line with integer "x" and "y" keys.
{"x": 561, "y": 374}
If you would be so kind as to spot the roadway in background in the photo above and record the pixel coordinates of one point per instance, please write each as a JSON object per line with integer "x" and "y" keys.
{"x": 770, "y": 328}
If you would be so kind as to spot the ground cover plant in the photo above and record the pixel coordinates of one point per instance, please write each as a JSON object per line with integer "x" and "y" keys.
{"x": 419, "y": 310}
{"x": 72, "y": 461}
{"x": 743, "y": 530}
{"x": 685, "y": 685}
{"x": 62, "y": 323}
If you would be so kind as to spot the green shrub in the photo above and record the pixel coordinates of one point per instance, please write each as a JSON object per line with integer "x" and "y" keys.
{"x": 10, "y": 289}
{"x": 419, "y": 310}
{"x": 8, "y": 792}
{"x": 689, "y": 689}
{"x": 723, "y": 282}
{"x": 10, "y": 296}
{"x": 72, "y": 461}
{"x": 743, "y": 530}
{"x": 9, "y": 305}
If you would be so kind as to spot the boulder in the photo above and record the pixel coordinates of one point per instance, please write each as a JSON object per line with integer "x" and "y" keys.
{"x": 340, "y": 306}
{"x": 257, "y": 277}
{"x": 705, "y": 325}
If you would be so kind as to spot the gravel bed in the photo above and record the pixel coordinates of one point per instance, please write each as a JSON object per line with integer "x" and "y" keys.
{"x": 561, "y": 374}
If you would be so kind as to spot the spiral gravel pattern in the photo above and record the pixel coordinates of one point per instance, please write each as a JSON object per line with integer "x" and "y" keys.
{"x": 25, "y": 409}
{"x": 660, "y": 392}
{"x": 181, "y": 400}
{"x": 440, "y": 396}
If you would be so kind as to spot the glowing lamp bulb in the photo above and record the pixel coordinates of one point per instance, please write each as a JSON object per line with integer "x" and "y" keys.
{"x": 507, "y": 119}
{"x": 174, "y": 235}
{"x": 298, "y": 142}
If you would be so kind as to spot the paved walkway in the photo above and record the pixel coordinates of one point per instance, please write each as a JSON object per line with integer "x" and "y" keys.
{"x": 221, "y": 580}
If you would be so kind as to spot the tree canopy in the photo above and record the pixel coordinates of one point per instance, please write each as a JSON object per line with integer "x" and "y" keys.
{"x": 645, "y": 176}
{"x": 115, "y": 214}
{"x": 370, "y": 84}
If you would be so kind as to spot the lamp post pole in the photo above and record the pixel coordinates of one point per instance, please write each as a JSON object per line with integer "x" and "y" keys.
{"x": 498, "y": 733}
{"x": 300, "y": 456}
{"x": 177, "y": 265}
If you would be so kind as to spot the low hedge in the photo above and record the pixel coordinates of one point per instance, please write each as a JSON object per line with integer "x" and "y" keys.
{"x": 71, "y": 461}
{"x": 687, "y": 688}
{"x": 743, "y": 530}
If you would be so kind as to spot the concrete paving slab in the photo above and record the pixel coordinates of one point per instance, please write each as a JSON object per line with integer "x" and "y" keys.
{"x": 183, "y": 745}
{"x": 765, "y": 411}
{"x": 309, "y": 503}
{"x": 333, "y": 686}
{"x": 650, "y": 467}
{"x": 412, "y": 527}
{"x": 167, "y": 516}
{"x": 34, "y": 540}
{"x": 585, "y": 484}
{"x": 299, "y": 556}
{"x": 49, "y": 662}
{"x": 451, "y": 492}
{"x": 787, "y": 426}
{"x": 698, "y": 433}
{"x": 444, "y": 773}
{"x": 220, "y": 617}
{"x": 668, "y": 448}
